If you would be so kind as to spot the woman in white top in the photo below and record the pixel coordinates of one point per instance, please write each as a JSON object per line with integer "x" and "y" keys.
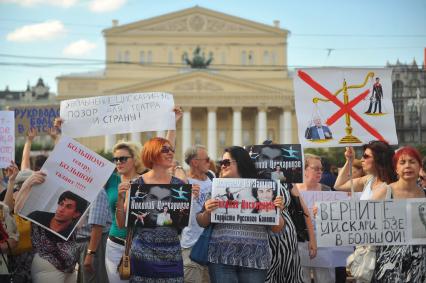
{"x": 376, "y": 163}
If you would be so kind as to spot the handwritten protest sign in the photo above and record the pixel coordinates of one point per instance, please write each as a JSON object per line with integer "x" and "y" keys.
{"x": 159, "y": 205}
{"x": 74, "y": 176}
{"x": 337, "y": 107}
{"x": 283, "y": 162}
{"x": 351, "y": 223}
{"x": 245, "y": 201}
{"x": 39, "y": 117}
{"x": 326, "y": 257}
{"x": 7, "y": 138}
{"x": 125, "y": 113}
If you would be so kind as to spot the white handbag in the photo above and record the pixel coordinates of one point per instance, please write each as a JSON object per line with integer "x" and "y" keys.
{"x": 362, "y": 262}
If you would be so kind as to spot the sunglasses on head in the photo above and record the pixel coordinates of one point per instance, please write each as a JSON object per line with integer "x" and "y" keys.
{"x": 226, "y": 162}
{"x": 167, "y": 149}
{"x": 122, "y": 159}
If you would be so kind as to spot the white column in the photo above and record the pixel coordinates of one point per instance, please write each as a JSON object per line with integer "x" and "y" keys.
{"x": 110, "y": 141}
{"x": 236, "y": 126}
{"x": 135, "y": 137}
{"x": 211, "y": 132}
{"x": 261, "y": 125}
{"x": 186, "y": 131}
{"x": 286, "y": 127}
{"x": 161, "y": 134}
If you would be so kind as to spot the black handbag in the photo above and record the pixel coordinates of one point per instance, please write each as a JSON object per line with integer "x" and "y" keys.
{"x": 297, "y": 215}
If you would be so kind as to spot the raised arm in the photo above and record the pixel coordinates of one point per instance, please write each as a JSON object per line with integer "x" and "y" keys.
{"x": 35, "y": 179}
{"x": 343, "y": 182}
{"x": 12, "y": 172}
{"x": 25, "y": 162}
{"x": 121, "y": 206}
{"x": 171, "y": 134}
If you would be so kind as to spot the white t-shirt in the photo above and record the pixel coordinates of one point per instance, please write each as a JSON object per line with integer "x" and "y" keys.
{"x": 192, "y": 232}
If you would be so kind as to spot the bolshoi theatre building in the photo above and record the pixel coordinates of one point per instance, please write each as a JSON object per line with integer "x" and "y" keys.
{"x": 228, "y": 74}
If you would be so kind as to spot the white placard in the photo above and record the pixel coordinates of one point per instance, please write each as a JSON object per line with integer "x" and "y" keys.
{"x": 115, "y": 114}
{"x": 71, "y": 167}
{"x": 245, "y": 201}
{"x": 337, "y": 107}
{"x": 353, "y": 223}
{"x": 7, "y": 138}
{"x": 326, "y": 257}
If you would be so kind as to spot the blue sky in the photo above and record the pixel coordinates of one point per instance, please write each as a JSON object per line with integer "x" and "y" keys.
{"x": 359, "y": 32}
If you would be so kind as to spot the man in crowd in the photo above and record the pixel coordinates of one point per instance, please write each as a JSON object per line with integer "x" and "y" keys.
{"x": 198, "y": 160}
{"x": 91, "y": 241}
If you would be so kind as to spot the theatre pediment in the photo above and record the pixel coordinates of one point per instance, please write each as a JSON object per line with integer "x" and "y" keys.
{"x": 194, "y": 20}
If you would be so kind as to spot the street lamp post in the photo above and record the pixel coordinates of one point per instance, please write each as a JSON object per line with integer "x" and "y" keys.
{"x": 416, "y": 105}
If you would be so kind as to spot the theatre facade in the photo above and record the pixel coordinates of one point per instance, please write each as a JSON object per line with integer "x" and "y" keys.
{"x": 228, "y": 74}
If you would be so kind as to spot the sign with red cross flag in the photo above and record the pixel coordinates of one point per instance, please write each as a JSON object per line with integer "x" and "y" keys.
{"x": 337, "y": 107}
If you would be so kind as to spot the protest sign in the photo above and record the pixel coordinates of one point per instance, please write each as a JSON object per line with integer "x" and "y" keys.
{"x": 337, "y": 107}
{"x": 416, "y": 221}
{"x": 311, "y": 197}
{"x": 7, "y": 138}
{"x": 74, "y": 177}
{"x": 115, "y": 114}
{"x": 38, "y": 117}
{"x": 245, "y": 201}
{"x": 281, "y": 162}
{"x": 352, "y": 223}
{"x": 326, "y": 257}
{"x": 158, "y": 205}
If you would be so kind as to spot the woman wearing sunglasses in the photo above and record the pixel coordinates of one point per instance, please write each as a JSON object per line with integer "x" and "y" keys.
{"x": 238, "y": 252}
{"x": 376, "y": 163}
{"x": 403, "y": 263}
{"x": 128, "y": 166}
{"x": 126, "y": 156}
{"x": 155, "y": 253}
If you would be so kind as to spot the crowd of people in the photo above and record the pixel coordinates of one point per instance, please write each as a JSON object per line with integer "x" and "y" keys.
{"x": 236, "y": 252}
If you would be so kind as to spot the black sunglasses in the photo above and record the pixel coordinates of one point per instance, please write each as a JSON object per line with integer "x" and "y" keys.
{"x": 226, "y": 162}
{"x": 122, "y": 159}
{"x": 366, "y": 156}
{"x": 167, "y": 149}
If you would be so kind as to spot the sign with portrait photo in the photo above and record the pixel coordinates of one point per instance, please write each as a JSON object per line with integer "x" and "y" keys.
{"x": 281, "y": 162}
{"x": 74, "y": 177}
{"x": 245, "y": 201}
{"x": 158, "y": 205}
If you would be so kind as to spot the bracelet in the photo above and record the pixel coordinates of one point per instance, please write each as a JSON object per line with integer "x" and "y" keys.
{"x": 90, "y": 252}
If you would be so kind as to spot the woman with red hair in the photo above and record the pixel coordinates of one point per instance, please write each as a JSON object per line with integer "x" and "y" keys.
{"x": 155, "y": 252}
{"x": 405, "y": 263}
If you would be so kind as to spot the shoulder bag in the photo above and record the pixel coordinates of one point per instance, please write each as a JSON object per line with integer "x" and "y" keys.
{"x": 200, "y": 251}
{"x": 124, "y": 265}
